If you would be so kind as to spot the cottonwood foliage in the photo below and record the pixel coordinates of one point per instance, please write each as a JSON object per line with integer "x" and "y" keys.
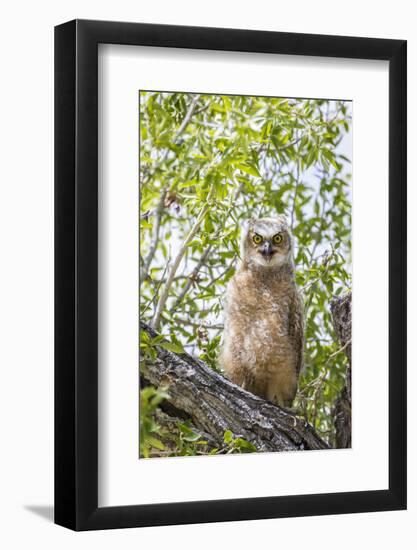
{"x": 207, "y": 162}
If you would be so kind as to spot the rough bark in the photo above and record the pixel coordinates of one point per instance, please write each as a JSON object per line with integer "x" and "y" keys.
{"x": 341, "y": 308}
{"x": 214, "y": 405}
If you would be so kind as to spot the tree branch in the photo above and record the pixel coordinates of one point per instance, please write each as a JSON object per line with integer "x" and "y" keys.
{"x": 342, "y": 320}
{"x": 214, "y": 404}
{"x": 165, "y": 291}
{"x": 297, "y": 183}
{"x": 155, "y": 233}
{"x": 196, "y": 324}
{"x": 191, "y": 278}
{"x": 205, "y": 255}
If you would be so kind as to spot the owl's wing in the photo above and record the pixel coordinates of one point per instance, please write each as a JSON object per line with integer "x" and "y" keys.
{"x": 296, "y": 328}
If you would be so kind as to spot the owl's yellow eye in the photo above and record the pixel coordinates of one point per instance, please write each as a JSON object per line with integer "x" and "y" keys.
{"x": 257, "y": 239}
{"x": 277, "y": 238}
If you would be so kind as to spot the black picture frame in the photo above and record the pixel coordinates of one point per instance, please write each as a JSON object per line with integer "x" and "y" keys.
{"x": 76, "y": 272}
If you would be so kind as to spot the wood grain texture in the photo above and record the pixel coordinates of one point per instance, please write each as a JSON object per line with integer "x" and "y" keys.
{"x": 214, "y": 405}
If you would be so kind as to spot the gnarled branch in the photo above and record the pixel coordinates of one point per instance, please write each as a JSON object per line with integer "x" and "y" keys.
{"x": 214, "y": 404}
{"x": 341, "y": 308}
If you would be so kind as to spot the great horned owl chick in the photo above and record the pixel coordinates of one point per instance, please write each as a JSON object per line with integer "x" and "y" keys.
{"x": 263, "y": 338}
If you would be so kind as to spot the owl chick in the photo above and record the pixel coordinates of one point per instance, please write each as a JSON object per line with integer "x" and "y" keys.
{"x": 263, "y": 337}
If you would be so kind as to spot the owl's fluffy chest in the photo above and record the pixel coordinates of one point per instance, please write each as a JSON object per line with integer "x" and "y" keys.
{"x": 259, "y": 300}
{"x": 263, "y": 332}
{"x": 258, "y": 316}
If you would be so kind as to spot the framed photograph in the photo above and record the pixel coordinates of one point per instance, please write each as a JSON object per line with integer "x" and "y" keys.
{"x": 230, "y": 255}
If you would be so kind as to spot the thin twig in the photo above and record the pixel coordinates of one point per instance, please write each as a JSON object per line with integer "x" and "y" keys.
{"x": 296, "y": 187}
{"x": 203, "y": 108}
{"x": 207, "y": 252}
{"x": 155, "y": 232}
{"x": 295, "y": 194}
{"x": 191, "y": 278}
{"x": 165, "y": 291}
{"x": 156, "y": 289}
{"x": 339, "y": 350}
{"x": 288, "y": 145}
{"x": 182, "y": 321}
{"x": 222, "y": 274}
{"x": 321, "y": 227}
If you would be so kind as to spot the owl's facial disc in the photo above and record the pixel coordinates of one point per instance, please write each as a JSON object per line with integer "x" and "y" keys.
{"x": 270, "y": 250}
{"x": 267, "y": 242}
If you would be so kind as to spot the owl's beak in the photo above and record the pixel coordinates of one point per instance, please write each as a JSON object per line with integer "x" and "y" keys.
{"x": 267, "y": 251}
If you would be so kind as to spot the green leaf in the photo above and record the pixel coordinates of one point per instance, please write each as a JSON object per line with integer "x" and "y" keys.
{"x": 188, "y": 434}
{"x": 245, "y": 446}
{"x": 174, "y": 348}
{"x": 249, "y": 169}
{"x": 157, "y": 443}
